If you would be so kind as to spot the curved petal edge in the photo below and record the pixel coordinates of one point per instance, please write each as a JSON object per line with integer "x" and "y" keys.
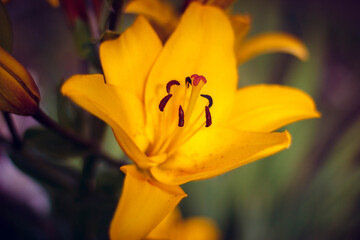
{"x": 142, "y": 206}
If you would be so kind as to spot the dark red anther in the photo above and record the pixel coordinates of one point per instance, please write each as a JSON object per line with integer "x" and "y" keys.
{"x": 181, "y": 117}
{"x": 209, "y": 98}
{"x": 170, "y": 84}
{"x": 208, "y": 117}
{"x": 164, "y": 101}
{"x": 188, "y": 82}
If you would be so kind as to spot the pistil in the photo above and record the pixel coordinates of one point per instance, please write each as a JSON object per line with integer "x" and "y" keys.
{"x": 185, "y": 129}
{"x": 198, "y": 83}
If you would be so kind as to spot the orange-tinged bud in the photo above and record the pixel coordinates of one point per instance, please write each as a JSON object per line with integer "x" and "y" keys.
{"x": 223, "y": 4}
{"x": 18, "y": 91}
{"x": 54, "y": 3}
{"x": 76, "y": 9}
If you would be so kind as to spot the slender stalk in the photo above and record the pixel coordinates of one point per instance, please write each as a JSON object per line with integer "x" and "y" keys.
{"x": 92, "y": 20}
{"x": 46, "y": 121}
{"x": 114, "y": 14}
{"x": 12, "y": 129}
{"x": 44, "y": 171}
{"x": 87, "y": 183}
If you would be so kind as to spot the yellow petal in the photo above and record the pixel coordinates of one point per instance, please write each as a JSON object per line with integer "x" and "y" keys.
{"x": 215, "y": 150}
{"x": 127, "y": 60}
{"x": 18, "y": 91}
{"x": 202, "y": 44}
{"x": 120, "y": 109}
{"x": 159, "y": 12}
{"x": 142, "y": 206}
{"x": 198, "y": 228}
{"x": 167, "y": 227}
{"x": 265, "y": 108}
{"x": 269, "y": 43}
{"x": 173, "y": 227}
{"x": 241, "y": 25}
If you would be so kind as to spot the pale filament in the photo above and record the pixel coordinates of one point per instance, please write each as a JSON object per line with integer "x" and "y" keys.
{"x": 172, "y": 135}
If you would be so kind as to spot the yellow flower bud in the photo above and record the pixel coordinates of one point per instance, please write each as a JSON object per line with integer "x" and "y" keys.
{"x": 18, "y": 91}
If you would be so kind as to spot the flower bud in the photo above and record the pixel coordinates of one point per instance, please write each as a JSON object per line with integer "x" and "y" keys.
{"x": 18, "y": 91}
{"x": 54, "y": 3}
{"x": 223, "y": 4}
{"x": 77, "y": 9}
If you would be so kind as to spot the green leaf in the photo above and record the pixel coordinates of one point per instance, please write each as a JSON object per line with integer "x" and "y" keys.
{"x": 52, "y": 144}
{"x": 6, "y": 39}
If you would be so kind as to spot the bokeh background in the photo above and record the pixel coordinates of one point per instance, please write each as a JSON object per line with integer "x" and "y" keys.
{"x": 310, "y": 191}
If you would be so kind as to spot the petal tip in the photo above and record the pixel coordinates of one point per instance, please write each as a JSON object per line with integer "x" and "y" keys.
{"x": 288, "y": 139}
{"x": 303, "y": 55}
{"x": 317, "y": 114}
{"x": 67, "y": 85}
{"x": 272, "y": 43}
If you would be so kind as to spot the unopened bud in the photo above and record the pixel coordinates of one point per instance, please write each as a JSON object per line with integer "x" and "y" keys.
{"x": 223, "y": 4}
{"x": 18, "y": 91}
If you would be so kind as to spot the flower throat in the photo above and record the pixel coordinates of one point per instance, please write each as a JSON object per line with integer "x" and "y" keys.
{"x": 196, "y": 82}
{"x": 175, "y": 124}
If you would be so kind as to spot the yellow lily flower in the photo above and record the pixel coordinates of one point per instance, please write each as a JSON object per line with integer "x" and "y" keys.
{"x": 174, "y": 227}
{"x": 18, "y": 91}
{"x": 177, "y": 113}
{"x": 165, "y": 18}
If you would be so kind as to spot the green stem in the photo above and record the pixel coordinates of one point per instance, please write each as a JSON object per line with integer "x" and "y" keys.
{"x": 114, "y": 14}
{"x": 92, "y": 20}
{"x": 87, "y": 183}
{"x": 46, "y": 121}
{"x": 12, "y": 129}
{"x": 44, "y": 171}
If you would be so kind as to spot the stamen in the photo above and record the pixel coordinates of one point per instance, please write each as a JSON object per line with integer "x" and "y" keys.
{"x": 170, "y": 84}
{"x": 209, "y": 98}
{"x": 188, "y": 82}
{"x": 208, "y": 117}
{"x": 187, "y": 127}
{"x": 164, "y": 101}
{"x": 181, "y": 117}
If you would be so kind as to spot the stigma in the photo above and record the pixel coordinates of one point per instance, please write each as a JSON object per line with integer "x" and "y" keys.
{"x": 196, "y": 83}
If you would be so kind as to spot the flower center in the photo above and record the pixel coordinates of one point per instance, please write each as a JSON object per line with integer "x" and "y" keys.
{"x": 177, "y": 109}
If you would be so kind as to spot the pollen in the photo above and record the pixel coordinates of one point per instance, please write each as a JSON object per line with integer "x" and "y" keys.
{"x": 181, "y": 117}
{"x": 208, "y": 117}
{"x": 170, "y": 84}
{"x": 164, "y": 101}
